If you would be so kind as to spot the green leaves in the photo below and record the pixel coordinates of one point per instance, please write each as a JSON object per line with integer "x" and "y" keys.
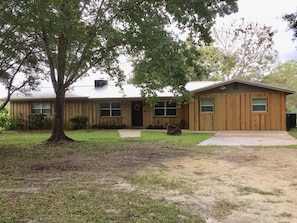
{"x": 284, "y": 75}
{"x": 243, "y": 50}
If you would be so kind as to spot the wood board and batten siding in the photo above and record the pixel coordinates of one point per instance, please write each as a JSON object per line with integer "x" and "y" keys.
{"x": 181, "y": 118}
{"x": 233, "y": 111}
{"x": 91, "y": 109}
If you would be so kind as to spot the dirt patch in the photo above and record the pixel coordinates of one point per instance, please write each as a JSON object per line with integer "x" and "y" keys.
{"x": 222, "y": 184}
{"x": 241, "y": 184}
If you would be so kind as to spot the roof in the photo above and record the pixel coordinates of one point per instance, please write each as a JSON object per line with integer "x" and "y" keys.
{"x": 241, "y": 81}
{"x": 111, "y": 91}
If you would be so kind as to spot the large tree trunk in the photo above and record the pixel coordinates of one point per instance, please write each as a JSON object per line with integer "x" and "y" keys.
{"x": 60, "y": 90}
{"x": 58, "y": 122}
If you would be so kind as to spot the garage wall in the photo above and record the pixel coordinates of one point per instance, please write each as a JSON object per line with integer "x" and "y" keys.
{"x": 233, "y": 111}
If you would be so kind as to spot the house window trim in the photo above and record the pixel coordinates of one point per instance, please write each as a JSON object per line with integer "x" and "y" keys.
{"x": 266, "y": 104}
{"x": 213, "y": 105}
{"x": 110, "y": 109}
{"x": 41, "y": 108}
{"x": 165, "y": 109}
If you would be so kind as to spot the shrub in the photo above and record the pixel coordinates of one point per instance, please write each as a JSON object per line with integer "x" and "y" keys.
{"x": 105, "y": 126}
{"x": 4, "y": 119}
{"x": 18, "y": 123}
{"x": 79, "y": 122}
{"x": 38, "y": 121}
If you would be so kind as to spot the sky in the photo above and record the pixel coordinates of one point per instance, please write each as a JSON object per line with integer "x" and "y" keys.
{"x": 268, "y": 12}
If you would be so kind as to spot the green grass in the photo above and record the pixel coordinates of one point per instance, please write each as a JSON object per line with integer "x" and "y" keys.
{"x": 100, "y": 136}
{"x": 187, "y": 138}
{"x": 103, "y": 178}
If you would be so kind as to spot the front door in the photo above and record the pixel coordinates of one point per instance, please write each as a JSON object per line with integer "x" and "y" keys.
{"x": 137, "y": 113}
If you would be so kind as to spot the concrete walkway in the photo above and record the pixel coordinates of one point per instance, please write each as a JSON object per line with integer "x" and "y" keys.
{"x": 125, "y": 133}
{"x": 250, "y": 138}
{"x": 235, "y": 138}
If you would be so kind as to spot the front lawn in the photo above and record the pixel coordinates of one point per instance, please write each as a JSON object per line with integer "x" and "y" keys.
{"x": 100, "y": 178}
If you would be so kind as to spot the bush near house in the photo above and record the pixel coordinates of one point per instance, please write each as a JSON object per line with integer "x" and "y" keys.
{"x": 106, "y": 126}
{"x": 4, "y": 119}
{"x": 79, "y": 121}
{"x": 18, "y": 123}
{"x": 38, "y": 121}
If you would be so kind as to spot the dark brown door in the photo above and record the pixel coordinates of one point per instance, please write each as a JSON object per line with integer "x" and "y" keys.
{"x": 137, "y": 113}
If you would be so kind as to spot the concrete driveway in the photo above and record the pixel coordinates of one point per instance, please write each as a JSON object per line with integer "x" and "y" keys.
{"x": 250, "y": 138}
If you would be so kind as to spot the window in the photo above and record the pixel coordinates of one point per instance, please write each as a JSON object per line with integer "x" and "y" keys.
{"x": 110, "y": 109}
{"x": 206, "y": 105}
{"x": 165, "y": 108}
{"x": 259, "y": 104}
{"x": 41, "y": 108}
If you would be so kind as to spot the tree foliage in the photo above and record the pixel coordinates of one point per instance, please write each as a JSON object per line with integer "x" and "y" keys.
{"x": 75, "y": 36}
{"x": 285, "y": 75}
{"x": 18, "y": 53}
{"x": 292, "y": 20}
{"x": 243, "y": 50}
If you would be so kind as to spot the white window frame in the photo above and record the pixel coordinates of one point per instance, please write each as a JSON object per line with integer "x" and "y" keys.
{"x": 41, "y": 108}
{"x": 111, "y": 109}
{"x": 204, "y": 107}
{"x": 258, "y": 103}
{"x": 166, "y": 107}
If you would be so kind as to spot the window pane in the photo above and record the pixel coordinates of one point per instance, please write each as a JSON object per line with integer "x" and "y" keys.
{"x": 36, "y": 111}
{"x": 207, "y": 109}
{"x": 261, "y": 108}
{"x": 36, "y": 106}
{"x": 207, "y": 102}
{"x": 46, "y": 111}
{"x": 159, "y": 112}
{"x": 45, "y": 105}
{"x": 172, "y": 104}
{"x": 207, "y": 105}
{"x": 41, "y": 108}
{"x": 105, "y": 113}
{"x": 116, "y": 105}
{"x": 259, "y": 104}
{"x": 105, "y": 105}
{"x": 160, "y": 104}
{"x": 171, "y": 112}
{"x": 116, "y": 113}
{"x": 259, "y": 101}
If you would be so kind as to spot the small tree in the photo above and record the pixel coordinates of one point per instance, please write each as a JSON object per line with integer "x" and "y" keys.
{"x": 243, "y": 50}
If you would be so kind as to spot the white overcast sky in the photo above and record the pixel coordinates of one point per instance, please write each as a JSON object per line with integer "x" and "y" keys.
{"x": 267, "y": 12}
{"x": 270, "y": 12}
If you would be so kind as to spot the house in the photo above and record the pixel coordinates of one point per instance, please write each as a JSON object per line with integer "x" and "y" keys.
{"x": 226, "y": 105}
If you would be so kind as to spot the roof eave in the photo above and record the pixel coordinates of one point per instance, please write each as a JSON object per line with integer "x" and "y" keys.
{"x": 256, "y": 84}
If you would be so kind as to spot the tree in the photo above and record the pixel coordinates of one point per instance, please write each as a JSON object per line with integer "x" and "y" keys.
{"x": 292, "y": 20}
{"x": 216, "y": 63}
{"x": 285, "y": 75}
{"x": 78, "y": 35}
{"x": 18, "y": 54}
{"x": 243, "y": 50}
{"x": 170, "y": 63}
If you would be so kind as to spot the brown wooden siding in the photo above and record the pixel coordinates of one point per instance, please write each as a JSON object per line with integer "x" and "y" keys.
{"x": 149, "y": 117}
{"x": 234, "y": 112}
{"x": 91, "y": 109}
